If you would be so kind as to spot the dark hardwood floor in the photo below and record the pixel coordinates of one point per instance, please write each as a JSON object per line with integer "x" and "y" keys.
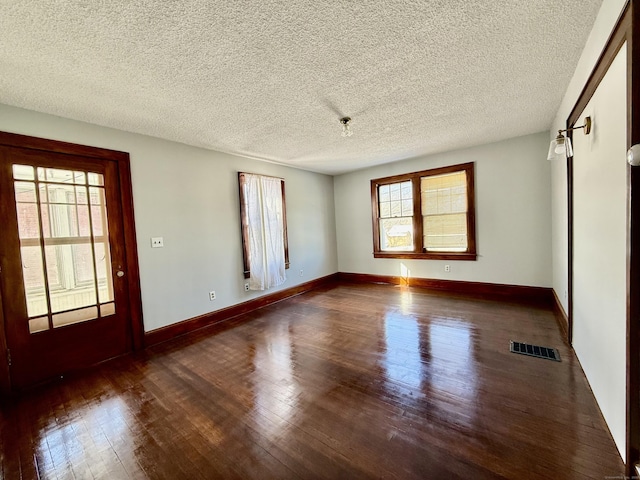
{"x": 348, "y": 381}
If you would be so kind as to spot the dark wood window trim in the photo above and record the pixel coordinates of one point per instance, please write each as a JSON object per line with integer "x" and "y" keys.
{"x": 244, "y": 222}
{"x": 419, "y": 252}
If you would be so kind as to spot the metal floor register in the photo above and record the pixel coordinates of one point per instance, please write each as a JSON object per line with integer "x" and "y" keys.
{"x": 534, "y": 351}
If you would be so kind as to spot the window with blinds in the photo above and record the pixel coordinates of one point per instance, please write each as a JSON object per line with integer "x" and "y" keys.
{"x": 426, "y": 214}
{"x": 444, "y": 212}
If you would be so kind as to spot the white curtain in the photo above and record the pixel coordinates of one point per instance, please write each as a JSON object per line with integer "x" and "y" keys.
{"x": 266, "y": 231}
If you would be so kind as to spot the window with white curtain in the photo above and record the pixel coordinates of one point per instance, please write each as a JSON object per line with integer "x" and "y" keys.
{"x": 264, "y": 230}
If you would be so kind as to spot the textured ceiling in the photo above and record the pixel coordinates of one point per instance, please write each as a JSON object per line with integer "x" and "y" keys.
{"x": 270, "y": 79}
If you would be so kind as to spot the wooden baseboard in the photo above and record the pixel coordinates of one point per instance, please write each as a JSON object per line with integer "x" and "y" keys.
{"x": 561, "y": 317}
{"x": 163, "y": 334}
{"x": 536, "y": 295}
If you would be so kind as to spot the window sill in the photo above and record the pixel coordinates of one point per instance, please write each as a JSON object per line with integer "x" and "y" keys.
{"x": 428, "y": 256}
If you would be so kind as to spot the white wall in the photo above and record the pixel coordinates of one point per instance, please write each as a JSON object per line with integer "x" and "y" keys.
{"x": 513, "y": 208}
{"x": 602, "y": 28}
{"x": 189, "y": 196}
{"x": 599, "y": 323}
{"x": 600, "y": 253}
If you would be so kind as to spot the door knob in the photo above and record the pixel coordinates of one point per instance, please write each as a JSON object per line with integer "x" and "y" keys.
{"x": 633, "y": 155}
{"x": 120, "y": 273}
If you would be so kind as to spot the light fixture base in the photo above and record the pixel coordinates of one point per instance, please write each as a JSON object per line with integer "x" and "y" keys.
{"x": 346, "y": 130}
{"x": 587, "y": 125}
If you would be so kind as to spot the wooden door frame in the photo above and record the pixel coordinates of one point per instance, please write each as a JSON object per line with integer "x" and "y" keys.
{"x": 132, "y": 269}
{"x": 627, "y": 30}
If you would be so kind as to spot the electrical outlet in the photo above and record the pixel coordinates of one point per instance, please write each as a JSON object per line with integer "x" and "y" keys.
{"x": 212, "y": 295}
{"x": 301, "y": 272}
{"x": 447, "y": 268}
{"x": 157, "y": 242}
{"x": 246, "y": 287}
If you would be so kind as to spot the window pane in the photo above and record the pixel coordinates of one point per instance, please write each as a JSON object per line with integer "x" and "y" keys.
{"x": 396, "y": 208}
{"x": 64, "y": 223}
{"x": 81, "y": 196}
{"x": 28, "y": 220}
{"x": 23, "y": 172}
{"x": 39, "y": 324}
{"x": 52, "y": 266}
{"x": 83, "y": 263}
{"x": 44, "y": 198}
{"x": 83, "y": 220}
{"x": 25, "y": 192}
{"x": 446, "y": 233}
{"x": 396, "y": 234}
{"x": 70, "y": 275}
{"x": 444, "y": 207}
{"x": 407, "y": 208}
{"x": 33, "y": 276}
{"x": 97, "y": 195}
{"x": 62, "y": 194}
{"x": 444, "y": 193}
{"x": 46, "y": 224}
{"x": 99, "y": 220}
{"x": 383, "y": 192}
{"x": 107, "y": 309}
{"x": 395, "y": 200}
{"x": 385, "y": 210}
{"x": 96, "y": 179}
{"x": 395, "y": 191}
{"x": 101, "y": 239}
{"x": 75, "y": 316}
{"x": 79, "y": 177}
{"x": 103, "y": 270}
{"x": 60, "y": 176}
{"x": 98, "y": 212}
{"x": 406, "y": 190}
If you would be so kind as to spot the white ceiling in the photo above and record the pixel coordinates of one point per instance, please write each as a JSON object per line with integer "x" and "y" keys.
{"x": 269, "y": 79}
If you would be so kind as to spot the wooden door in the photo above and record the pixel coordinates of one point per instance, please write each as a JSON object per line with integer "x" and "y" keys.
{"x": 64, "y": 284}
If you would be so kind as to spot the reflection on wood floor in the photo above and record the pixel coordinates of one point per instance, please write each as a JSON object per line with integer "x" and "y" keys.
{"x": 349, "y": 381}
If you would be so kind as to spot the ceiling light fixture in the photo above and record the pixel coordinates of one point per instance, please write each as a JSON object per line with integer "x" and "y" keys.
{"x": 346, "y": 129}
{"x": 561, "y": 145}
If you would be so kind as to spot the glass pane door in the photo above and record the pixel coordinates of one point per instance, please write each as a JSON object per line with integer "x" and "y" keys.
{"x": 64, "y": 246}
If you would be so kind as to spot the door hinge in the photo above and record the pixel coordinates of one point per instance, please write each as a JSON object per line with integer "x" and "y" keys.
{"x": 9, "y": 357}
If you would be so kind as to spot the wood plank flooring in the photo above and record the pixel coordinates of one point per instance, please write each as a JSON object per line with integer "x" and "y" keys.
{"x": 348, "y": 381}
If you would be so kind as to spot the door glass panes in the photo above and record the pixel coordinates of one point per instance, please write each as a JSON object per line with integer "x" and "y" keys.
{"x": 395, "y": 206}
{"x": 23, "y": 172}
{"x": 33, "y": 275}
{"x": 74, "y": 316}
{"x": 95, "y": 179}
{"x": 29, "y": 232}
{"x": 39, "y": 324}
{"x": 62, "y": 176}
{"x": 444, "y": 210}
{"x": 62, "y": 223}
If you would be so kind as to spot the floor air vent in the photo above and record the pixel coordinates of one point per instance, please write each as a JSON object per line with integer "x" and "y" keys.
{"x": 535, "y": 351}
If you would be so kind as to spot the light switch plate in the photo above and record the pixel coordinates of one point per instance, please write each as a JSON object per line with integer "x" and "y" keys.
{"x": 157, "y": 242}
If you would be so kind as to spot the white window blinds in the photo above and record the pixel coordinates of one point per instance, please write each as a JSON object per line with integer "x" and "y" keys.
{"x": 444, "y": 211}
